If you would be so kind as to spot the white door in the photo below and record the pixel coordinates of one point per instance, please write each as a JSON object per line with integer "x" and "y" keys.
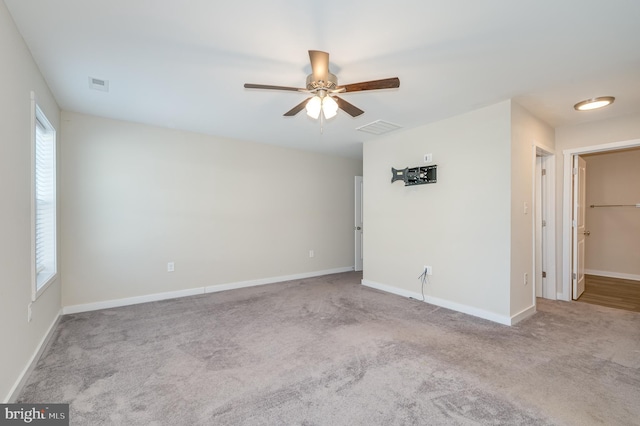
{"x": 579, "y": 232}
{"x": 357, "y": 229}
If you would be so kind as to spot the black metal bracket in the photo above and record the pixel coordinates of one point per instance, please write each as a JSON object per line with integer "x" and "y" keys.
{"x": 415, "y": 175}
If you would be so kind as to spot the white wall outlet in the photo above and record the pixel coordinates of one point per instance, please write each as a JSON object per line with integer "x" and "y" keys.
{"x": 526, "y": 207}
{"x": 428, "y": 270}
{"x": 311, "y": 253}
{"x": 526, "y": 278}
{"x": 428, "y": 158}
{"x": 29, "y": 312}
{"x": 171, "y": 267}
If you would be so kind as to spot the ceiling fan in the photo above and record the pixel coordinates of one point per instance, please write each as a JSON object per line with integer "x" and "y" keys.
{"x": 323, "y": 85}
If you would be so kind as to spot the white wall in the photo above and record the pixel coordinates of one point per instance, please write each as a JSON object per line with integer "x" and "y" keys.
{"x": 613, "y": 247}
{"x": 19, "y": 75}
{"x": 526, "y": 131}
{"x": 584, "y": 135}
{"x": 598, "y": 132}
{"x": 470, "y": 226}
{"x": 135, "y": 197}
{"x": 461, "y": 225}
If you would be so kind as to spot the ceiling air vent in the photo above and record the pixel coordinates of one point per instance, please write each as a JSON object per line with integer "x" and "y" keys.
{"x": 98, "y": 84}
{"x": 378, "y": 127}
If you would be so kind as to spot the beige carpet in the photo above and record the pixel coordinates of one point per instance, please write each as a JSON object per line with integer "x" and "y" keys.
{"x": 328, "y": 351}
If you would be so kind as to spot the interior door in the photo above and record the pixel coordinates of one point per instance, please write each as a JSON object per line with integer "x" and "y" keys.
{"x": 579, "y": 190}
{"x": 357, "y": 229}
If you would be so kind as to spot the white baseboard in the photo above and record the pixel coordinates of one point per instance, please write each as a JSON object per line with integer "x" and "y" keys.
{"x": 390, "y": 289}
{"x": 465, "y": 309}
{"x": 26, "y": 372}
{"x": 116, "y": 303}
{"x": 608, "y": 274}
{"x": 272, "y": 280}
{"x": 524, "y": 314}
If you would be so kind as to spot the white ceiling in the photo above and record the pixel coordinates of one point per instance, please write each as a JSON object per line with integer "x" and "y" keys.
{"x": 183, "y": 64}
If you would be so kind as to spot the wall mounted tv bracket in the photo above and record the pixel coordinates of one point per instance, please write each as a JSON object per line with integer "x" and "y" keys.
{"x": 415, "y": 175}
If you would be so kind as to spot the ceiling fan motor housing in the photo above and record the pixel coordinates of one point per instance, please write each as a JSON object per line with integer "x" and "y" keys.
{"x": 331, "y": 83}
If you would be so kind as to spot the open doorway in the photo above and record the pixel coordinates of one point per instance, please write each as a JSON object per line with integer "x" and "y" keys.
{"x": 572, "y": 232}
{"x": 612, "y": 213}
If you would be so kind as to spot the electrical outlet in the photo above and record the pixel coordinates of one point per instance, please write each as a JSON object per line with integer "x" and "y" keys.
{"x": 428, "y": 270}
{"x": 526, "y": 278}
{"x": 311, "y": 253}
{"x": 428, "y": 158}
{"x": 171, "y": 267}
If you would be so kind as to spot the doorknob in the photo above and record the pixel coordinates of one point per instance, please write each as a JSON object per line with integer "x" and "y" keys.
{"x": 587, "y": 232}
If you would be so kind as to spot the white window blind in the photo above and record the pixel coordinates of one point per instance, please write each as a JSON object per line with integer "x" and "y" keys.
{"x": 44, "y": 202}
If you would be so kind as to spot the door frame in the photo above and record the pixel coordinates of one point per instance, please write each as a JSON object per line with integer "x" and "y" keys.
{"x": 358, "y": 225}
{"x": 548, "y": 204}
{"x": 578, "y": 237}
{"x": 538, "y": 254}
{"x": 567, "y": 205}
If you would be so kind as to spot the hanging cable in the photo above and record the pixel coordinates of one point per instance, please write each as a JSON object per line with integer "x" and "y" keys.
{"x": 423, "y": 279}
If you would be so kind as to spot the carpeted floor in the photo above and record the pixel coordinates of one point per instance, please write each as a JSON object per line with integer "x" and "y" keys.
{"x": 328, "y": 351}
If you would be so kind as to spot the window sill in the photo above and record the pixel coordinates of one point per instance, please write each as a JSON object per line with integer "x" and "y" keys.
{"x": 44, "y": 287}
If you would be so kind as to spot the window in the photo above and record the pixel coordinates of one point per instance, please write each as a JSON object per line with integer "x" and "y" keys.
{"x": 44, "y": 202}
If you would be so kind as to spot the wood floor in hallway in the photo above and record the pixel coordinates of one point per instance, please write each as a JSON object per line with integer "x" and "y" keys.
{"x": 612, "y": 292}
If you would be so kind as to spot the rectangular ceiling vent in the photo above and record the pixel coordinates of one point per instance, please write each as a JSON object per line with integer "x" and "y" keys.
{"x": 98, "y": 84}
{"x": 379, "y": 127}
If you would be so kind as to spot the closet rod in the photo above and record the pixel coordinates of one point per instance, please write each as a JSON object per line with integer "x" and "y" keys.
{"x": 615, "y": 205}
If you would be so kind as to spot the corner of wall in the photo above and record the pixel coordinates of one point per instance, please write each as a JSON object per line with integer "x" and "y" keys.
{"x": 19, "y": 80}
{"x": 527, "y": 131}
{"x": 459, "y": 225}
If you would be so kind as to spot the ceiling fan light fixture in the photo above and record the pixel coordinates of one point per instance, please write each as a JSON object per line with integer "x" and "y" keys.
{"x": 329, "y": 107}
{"x": 313, "y": 107}
{"x": 321, "y": 83}
{"x": 594, "y": 103}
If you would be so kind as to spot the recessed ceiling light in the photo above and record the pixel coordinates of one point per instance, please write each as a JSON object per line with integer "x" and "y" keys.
{"x": 594, "y": 103}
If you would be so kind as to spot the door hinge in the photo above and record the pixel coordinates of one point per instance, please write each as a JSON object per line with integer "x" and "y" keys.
{"x": 574, "y": 171}
{"x": 573, "y": 223}
{"x": 544, "y": 223}
{"x": 544, "y": 172}
{"x": 544, "y": 274}
{"x": 575, "y": 276}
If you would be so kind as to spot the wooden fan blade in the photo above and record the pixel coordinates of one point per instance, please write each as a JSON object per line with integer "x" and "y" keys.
{"x": 266, "y": 86}
{"x": 387, "y": 83}
{"x": 296, "y": 109}
{"x": 319, "y": 65}
{"x": 350, "y": 109}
